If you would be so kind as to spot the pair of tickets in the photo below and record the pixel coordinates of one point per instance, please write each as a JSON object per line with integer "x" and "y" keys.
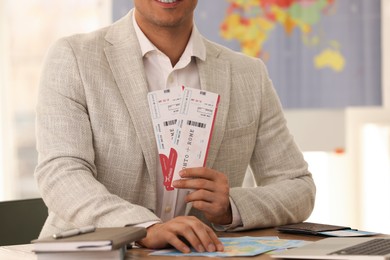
{"x": 183, "y": 120}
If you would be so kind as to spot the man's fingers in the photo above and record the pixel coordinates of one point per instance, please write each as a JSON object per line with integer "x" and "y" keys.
{"x": 190, "y": 236}
{"x": 199, "y": 172}
{"x": 216, "y": 240}
{"x": 204, "y": 234}
{"x": 179, "y": 244}
{"x": 201, "y": 195}
{"x": 210, "y": 240}
{"x": 182, "y": 233}
{"x": 194, "y": 184}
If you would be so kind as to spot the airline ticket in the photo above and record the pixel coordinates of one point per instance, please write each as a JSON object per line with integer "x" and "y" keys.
{"x": 164, "y": 106}
{"x": 194, "y": 128}
{"x": 183, "y": 120}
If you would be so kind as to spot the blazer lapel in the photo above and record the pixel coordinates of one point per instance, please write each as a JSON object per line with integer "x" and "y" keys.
{"x": 215, "y": 77}
{"x": 125, "y": 59}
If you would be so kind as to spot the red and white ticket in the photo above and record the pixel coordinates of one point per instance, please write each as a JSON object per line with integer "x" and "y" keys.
{"x": 164, "y": 107}
{"x": 194, "y": 128}
{"x": 183, "y": 120}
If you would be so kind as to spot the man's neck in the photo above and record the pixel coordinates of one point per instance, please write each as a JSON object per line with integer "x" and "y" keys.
{"x": 172, "y": 41}
{"x": 173, "y": 46}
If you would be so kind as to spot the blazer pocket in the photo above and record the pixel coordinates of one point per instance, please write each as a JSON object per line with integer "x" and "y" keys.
{"x": 241, "y": 131}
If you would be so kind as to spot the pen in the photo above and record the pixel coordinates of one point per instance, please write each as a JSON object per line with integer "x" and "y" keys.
{"x": 74, "y": 232}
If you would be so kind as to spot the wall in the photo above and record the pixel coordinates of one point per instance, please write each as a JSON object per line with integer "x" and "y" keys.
{"x": 2, "y": 97}
{"x": 349, "y": 192}
{"x": 27, "y": 29}
{"x": 6, "y": 144}
{"x": 386, "y": 52}
{"x": 368, "y": 175}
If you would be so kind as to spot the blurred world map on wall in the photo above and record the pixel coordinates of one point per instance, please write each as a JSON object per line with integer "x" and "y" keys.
{"x": 251, "y": 23}
{"x": 319, "y": 53}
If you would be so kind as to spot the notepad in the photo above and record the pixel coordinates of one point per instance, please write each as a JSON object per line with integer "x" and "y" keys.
{"x": 103, "y": 239}
{"x": 319, "y": 229}
{"x": 117, "y": 254}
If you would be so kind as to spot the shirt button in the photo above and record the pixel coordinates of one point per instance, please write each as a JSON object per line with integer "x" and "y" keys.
{"x": 170, "y": 79}
{"x": 168, "y": 209}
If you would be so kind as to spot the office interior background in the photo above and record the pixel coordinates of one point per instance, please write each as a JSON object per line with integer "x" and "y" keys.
{"x": 341, "y": 123}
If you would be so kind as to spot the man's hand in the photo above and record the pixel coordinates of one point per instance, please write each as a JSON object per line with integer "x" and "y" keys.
{"x": 211, "y": 195}
{"x": 195, "y": 232}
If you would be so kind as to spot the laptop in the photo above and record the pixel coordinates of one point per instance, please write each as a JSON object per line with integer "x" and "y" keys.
{"x": 364, "y": 248}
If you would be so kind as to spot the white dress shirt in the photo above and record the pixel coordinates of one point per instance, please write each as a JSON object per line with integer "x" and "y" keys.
{"x": 161, "y": 75}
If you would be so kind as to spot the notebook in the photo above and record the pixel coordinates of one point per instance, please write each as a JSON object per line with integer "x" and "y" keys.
{"x": 310, "y": 228}
{"x": 367, "y": 248}
{"x": 103, "y": 239}
{"x": 319, "y": 229}
{"x": 116, "y": 254}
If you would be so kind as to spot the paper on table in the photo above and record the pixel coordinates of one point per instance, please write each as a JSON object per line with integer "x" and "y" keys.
{"x": 240, "y": 246}
{"x": 348, "y": 233}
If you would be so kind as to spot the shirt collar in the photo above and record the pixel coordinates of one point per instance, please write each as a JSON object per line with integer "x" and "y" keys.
{"x": 195, "y": 46}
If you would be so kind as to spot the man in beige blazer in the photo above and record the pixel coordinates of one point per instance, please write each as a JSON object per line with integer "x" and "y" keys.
{"x": 97, "y": 151}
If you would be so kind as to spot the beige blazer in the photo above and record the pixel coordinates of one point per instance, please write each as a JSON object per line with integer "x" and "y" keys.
{"x": 97, "y": 152}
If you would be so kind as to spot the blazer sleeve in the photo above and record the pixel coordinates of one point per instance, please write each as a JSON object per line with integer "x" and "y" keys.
{"x": 285, "y": 191}
{"x": 66, "y": 173}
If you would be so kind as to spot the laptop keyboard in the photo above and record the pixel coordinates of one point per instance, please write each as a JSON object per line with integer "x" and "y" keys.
{"x": 378, "y": 246}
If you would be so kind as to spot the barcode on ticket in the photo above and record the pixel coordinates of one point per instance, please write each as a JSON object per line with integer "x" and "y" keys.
{"x": 197, "y": 124}
{"x": 171, "y": 122}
